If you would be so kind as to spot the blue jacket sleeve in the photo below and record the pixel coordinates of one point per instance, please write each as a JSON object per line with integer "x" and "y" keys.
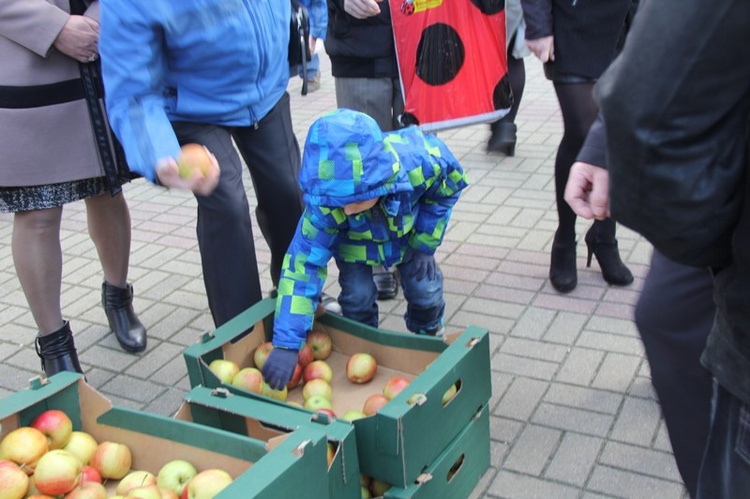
{"x": 132, "y": 81}
{"x": 303, "y": 274}
{"x": 318, "y": 11}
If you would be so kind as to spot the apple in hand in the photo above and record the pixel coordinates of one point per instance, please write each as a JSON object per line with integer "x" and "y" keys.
{"x": 193, "y": 159}
{"x": 82, "y": 445}
{"x": 14, "y": 482}
{"x": 296, "y": 377}
{"x": 88, "y": 490}
{"x": 374, "y": 403}
{"x": 320, "y": 343}
{"x": 317, "y": 369}
{"x": 394, "y": 386}
{"x": 24, "y": 446}
{"x": 207, "y": 484}
{"x": 112, "y": 460}
{"x": 57, "y": 472}
{"x": 250, "y": 379}
{"x": 56, "y": 426}
{"x": 361, "y": 368}
{"x": 224, "y": 369}
{"x": 175, "y": 474}
{"x": 135, "y": 479}
{"x": 261, "y": 353}
{"x": 319, "y": 387}
{"x": 305, "y": 355}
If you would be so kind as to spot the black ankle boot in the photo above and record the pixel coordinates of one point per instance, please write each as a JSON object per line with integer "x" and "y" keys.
{"x": 58, "y": 351}
{"x": 613, "y": 270}
{"x": 562, "y": 268}
{"x": 118, "y": 306}
{"x": 503, "y": 138}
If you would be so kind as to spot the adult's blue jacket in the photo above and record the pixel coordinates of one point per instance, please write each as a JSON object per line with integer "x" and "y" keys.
{"x": 222, "y": 62}
{"x": 348, "y": 159}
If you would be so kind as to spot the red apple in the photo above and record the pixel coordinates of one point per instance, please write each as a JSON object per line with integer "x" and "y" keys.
{"x": 374, "y": 403}
{"x": 261, "y": 354}
{"x": 296, "y": 377}
{"x": 361, "y": 368}
{"x": 207, "y": 484}
{"x": 318, "y": 402}
{"x": 88, "y": 490}
{"x": 224, "y": 369}
{"x": 317, "y": 386}
{"x": 175, "y": 474}
{"x": 328, "y": 412}
{"x": 82, "y": 445}
{"x": 56, "y": 426}
{"x": 320, "y": 343}
{"x": 394, "y": 386}
{"x": 14, "y": 482}
{"x": 250, "y": 379}
{"x": 24, "y": 446}
{"x": 57, "y": 472}
{"x": 112, "y": 460}
{"x": 305, "y": 355}
{"x": 317, "y": 369}
{"x": 135, "y": 479}
{"x": 89, "y": 474}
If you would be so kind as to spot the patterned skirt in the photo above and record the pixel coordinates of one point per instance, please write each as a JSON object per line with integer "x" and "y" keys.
{"x": 40, "y": 197}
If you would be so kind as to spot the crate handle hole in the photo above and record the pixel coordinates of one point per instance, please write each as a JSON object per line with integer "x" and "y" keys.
{"x": 450, "y": 393}
{"x": 455, "y": 468}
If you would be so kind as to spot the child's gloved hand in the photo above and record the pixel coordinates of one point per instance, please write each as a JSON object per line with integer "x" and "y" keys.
{"x": 279, "y": 367}
{"x": 422, "y": 264}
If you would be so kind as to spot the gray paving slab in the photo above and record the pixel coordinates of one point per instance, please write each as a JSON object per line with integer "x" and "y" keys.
{"x": 572, "y": 410}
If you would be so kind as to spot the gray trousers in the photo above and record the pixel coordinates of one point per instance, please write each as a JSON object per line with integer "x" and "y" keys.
{"x": 381, "y": 98}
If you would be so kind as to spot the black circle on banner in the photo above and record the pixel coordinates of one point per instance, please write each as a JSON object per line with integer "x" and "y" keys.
{"x": 440, "y": 54}
{"x": 489, "y": 7}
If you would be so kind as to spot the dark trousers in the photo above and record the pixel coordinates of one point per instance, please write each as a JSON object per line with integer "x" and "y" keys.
{"x": 224, "y": 227}
{"x": 674, "y": 315}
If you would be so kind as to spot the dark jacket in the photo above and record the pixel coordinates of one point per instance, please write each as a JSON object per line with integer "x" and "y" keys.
{"x": 360, "y": 48}
{"x": 585, "y": 33}
{"x": 688, "y": 124}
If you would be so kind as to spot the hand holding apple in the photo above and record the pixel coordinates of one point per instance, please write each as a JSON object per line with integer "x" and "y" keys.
{"x": 279, "y": 367}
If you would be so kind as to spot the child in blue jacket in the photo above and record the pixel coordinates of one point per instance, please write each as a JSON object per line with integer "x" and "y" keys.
{"x": 370, "y": 199}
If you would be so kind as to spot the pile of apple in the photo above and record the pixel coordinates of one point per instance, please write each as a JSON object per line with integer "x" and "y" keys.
{"x": 48, "y": 460}
{"x": 372, "y": 487}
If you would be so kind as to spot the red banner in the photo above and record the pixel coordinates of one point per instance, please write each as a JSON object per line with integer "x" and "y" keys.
{"x": 452, "y": 61}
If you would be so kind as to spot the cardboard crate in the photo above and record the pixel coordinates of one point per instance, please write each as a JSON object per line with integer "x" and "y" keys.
{"x": 456, "y": 472}
{"x": 155, "y": 440}
{"x": 409, "y": 432}
{"x": 220, "y": 408}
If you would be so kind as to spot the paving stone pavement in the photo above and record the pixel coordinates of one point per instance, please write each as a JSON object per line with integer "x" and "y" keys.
{"x": 573, "y": 413}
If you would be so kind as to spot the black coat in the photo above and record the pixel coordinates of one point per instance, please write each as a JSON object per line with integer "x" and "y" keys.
{"x": 360, "y": 48}
{"x": 585, "y": 33}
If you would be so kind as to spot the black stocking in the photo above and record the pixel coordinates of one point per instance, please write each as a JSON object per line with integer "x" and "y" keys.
{"x": 579, "y": 111}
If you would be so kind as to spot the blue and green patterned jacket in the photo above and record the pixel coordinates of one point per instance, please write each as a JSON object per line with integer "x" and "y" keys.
{"x": 348, "y": 159}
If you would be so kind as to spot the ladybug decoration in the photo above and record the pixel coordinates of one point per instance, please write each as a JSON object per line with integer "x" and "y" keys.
{"x": 452, "y": 61}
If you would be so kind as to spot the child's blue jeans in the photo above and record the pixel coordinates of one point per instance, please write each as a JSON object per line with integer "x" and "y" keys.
{"x": 358, "y": 298}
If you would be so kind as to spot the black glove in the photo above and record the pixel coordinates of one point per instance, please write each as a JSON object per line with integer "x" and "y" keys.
{"x": 279, "y": 367}
{"x": 422, "y": 264}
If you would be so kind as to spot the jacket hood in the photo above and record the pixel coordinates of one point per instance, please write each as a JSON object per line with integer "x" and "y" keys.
{"x": 346, "y": 161}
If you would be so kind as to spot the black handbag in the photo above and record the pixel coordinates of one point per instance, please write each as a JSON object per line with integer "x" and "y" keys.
{"x": 110, "y": 150}
{"x": 299, "y": 36}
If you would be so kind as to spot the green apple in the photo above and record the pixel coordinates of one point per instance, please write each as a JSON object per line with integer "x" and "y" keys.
{"x": 175, "y": 474}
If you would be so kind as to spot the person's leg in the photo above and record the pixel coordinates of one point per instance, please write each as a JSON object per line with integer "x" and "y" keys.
{"x": 37, "y": 257}
{"x": 224, "y": 228}
{"x": 358, "y": 293}
{"x": 381, "y": 99}
{"x": 109, "y": 227}
{"x": 425, "y": 304}
{"x": 272, "y": 155}
{"x": 674, "y": 314}
{"x": 725, "y": 471}
{"x": 579, "y": 111}
{"x": 503, "y": 137}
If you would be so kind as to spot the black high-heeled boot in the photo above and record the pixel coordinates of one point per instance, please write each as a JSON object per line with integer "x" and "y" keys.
{"x": 607, "y": 254}
{"x": 57, "y": 351}
{"x": 503, "y": 138}
{"x": 562, "y": 268}
{"x": 118, "y": 306}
